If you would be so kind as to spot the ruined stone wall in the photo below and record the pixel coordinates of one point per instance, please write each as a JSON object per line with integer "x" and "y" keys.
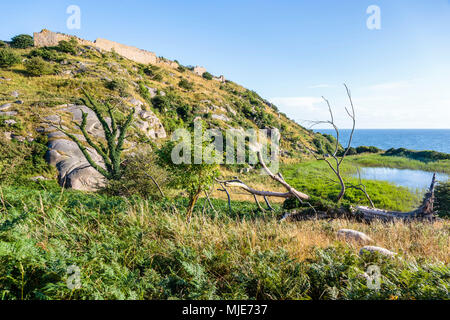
{"x": 47, "y": 38}
{"x": 132, "y": 53}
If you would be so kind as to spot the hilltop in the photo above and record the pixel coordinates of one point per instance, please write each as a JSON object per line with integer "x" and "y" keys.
{"x": 167, "y": 94}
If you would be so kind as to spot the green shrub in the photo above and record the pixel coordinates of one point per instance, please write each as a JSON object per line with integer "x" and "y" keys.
{"x": 22, "y": 41}
{"x": 3, "y": 44}
{"x": 365, "y": 149}
{"x": 67, "y": 46}
{"x": 442, "y": 195}
{"x": 8, "y": 58}
{"x": 161, "y": 103}
{"x": 185, "y": 84}
{"x": 207, "y": 76}
{"x": 36, "y": 66}
{"x": 18, "y": 160}
{"x": 120, "y": 86}
{"x": 48, "y": 54}
{"x": 138, "y": 170}
{"x": 185, "y": 112}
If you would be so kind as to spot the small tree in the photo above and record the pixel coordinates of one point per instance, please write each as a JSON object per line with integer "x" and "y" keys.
{"x": 37, "y": 66}
{"x": 22, "y": 41}
{"x": 111, "y": 152}
{"x": 8, "y": 58}
{"x": 191, "y": 177}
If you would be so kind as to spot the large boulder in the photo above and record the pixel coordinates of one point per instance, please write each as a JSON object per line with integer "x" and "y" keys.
{"x": 349, "y": 234}
{"x": 151, "y": 125}
{"x": 382, "y": 251}
{"x": 74, "y": 171}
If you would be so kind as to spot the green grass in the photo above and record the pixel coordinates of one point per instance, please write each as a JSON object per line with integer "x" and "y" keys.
{"x": 313, "y": 178}
{"x": 380, "y": 160}
{"x": 136, "y": 249}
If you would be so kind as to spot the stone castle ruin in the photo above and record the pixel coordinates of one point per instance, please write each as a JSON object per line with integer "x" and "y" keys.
{"x": 47, "y": 38}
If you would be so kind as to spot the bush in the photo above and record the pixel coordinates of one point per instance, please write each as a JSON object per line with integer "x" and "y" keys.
{"x": 136, "y": 179}
{"x": 22, "y": 41}
{"x": 185, "y": 84}
{"x": 67, "y": 46}
{"x": 8, "y": 58}
{"x": 207, "y": 76}
{"x": 36, "y": 67}
{"x": 161, "y": 103}
{"x": 120, "y": 86}
{"x": 19, "y": 160}
{"x": 364, "y": 149}
{"x": 2, "y": 44}
{"x": 47, "y": 54}
{"x": 442, "y": 194}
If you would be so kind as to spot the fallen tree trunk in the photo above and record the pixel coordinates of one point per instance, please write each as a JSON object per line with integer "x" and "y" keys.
{"x": 424, "y": 212}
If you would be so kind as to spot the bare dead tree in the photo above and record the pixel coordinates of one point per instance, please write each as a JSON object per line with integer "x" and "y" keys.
{"x": 335, "y": 159}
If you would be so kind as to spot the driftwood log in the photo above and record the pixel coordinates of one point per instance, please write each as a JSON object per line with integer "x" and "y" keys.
{"x": 424, "y": 212}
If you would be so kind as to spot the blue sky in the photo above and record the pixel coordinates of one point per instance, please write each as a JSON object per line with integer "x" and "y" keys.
{"x": 290, "y": 52}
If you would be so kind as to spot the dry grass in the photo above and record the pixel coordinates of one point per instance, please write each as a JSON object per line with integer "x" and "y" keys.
{"x": 429, "y": 241}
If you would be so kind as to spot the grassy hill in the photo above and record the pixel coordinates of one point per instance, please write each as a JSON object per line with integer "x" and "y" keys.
{"x": 176, "y": 95}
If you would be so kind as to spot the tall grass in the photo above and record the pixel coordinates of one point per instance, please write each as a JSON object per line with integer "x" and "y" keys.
{"x": 136, "y": 249}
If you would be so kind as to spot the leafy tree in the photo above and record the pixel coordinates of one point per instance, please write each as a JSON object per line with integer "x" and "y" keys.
{"x": 111, "y": 152}
{"x": 22, "y": 41}
{"x": 37, "y": 66}
{"x": 189, "y": 176}
{"x": 8, "y": 58}
{"x": 207, "y": 76}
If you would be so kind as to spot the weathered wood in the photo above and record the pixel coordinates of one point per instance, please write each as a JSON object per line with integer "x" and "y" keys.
{"x": 424, "y": 212}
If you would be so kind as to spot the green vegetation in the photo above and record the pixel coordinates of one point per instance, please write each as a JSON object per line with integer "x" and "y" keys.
{"x": 8, "y": 58}
{"x": 425, "y": 156}
{"x": 3, "y": 44}
{"x": 187, "y": 174}
{"x": 22, "y": 41}
{"x": 442, "y": 195}
{"x": 36, "y": 66}
{"x": 185, "y": 84}
{"x": 314, "y": 178}
{"x": 67, "y": 46}
{"x": 134, "y": 249}
{"x": 381, "y": 160}
{"x": 207, "y": 76}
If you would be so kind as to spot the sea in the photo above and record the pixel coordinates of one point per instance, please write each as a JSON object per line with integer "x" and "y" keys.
{"x": 413, "y": 139}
